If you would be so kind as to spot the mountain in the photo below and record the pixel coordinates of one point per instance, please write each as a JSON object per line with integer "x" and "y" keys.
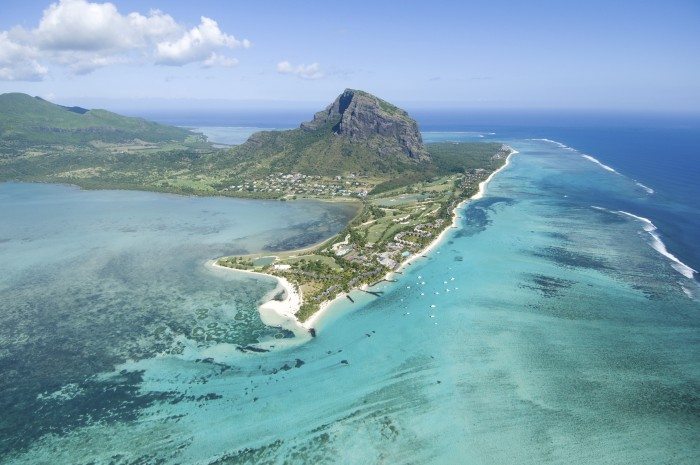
{"x": 357, "y": 133}
{"x": 357, "y": 144}
{"x": 365, "y": 119}
{"x": 28, "y": 121}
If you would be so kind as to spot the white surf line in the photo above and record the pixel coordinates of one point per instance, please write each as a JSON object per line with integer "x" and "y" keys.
{"x": 688, "y": 292}
{"x": 658, "y": 245}
{"x": 587, "y": 157}
{"x": 597, "y": 162}
{"x": 648, "y": 189}
{"x": 557, "y": 143}
{"x": 592, "y": 159}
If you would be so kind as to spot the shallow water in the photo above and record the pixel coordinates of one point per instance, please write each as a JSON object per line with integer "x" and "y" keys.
{"x": 230, "y": 135}
{"x": 91, "y": 278}
{"x": 558, "y": 335}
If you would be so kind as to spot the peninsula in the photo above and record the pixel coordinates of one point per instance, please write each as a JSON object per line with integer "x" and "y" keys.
{"x": 365, "y": 148}
{"x": 360, "y": 148}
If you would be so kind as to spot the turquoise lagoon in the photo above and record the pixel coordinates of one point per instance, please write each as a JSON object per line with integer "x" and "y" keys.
{"x": 230, "y": 135}
{"x": 545, "y": 328}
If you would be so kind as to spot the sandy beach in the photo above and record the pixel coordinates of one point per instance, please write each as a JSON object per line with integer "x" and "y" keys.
{"x": 274, "y": 312}
{"x": 455, "y": 216}
{"x": 283, "y": 313}
{"x": 327, "y": 305}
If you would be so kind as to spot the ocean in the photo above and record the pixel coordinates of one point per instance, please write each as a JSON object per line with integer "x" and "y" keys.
{"x": 558, "y": 323}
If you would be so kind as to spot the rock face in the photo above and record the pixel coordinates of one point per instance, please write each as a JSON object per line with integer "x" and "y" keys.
{"x": 362, "y": 118}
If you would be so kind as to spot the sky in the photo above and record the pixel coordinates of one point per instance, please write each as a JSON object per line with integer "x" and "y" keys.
{"x": 623, "y": 55}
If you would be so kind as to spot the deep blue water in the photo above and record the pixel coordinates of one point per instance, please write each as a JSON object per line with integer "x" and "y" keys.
{"x": 666, "y": 159}
{"x": 661, "y": 151}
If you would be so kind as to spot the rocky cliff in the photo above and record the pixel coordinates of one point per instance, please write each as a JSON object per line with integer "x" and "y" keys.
{"x": 357, "y": 133}
{"x": 362, "y": 118}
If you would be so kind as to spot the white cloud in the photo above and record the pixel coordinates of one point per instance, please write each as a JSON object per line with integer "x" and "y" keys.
{"x": 197, "y": 44}
{"x": 312, "y": 71}
{"x": 219, "y": 60}
{"x": 82, "y": 36}
{"x": 18, "y": 61}
{"x": 86, "y": 63}
{"x": 80, "y": 25}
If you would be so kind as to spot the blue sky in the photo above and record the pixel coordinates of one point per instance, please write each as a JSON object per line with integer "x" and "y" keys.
{"x": 620, "y": 55}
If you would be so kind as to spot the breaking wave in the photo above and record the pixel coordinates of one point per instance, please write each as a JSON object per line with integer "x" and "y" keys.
{"x": 648, "y": 189}
{"x": 658, "y": 245}
{"x": 558, "y": 144}
{"x": 597, "y": 162}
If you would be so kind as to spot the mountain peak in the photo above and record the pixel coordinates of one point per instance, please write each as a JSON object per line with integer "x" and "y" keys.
{"x": 362, "y": 117}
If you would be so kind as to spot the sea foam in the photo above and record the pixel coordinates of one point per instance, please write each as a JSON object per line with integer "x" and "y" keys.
{"x": 597, "y": 162}
{"x": 558, "y": 144}
{"x": 658, "y": 245}
{"x": 590, "y": 158}
{"x": 648, "y": 189}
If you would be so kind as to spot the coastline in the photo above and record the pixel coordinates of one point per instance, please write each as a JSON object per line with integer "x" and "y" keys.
{"x": 455, "y": 216}
{"x": 283, "y": 313}
{"x": 276, "y": 312}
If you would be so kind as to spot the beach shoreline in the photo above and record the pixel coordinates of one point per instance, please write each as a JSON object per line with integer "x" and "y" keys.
{"x": 455, "y": 216}
{"x": 283, "y": 313}
{"x": 273, "y": 312}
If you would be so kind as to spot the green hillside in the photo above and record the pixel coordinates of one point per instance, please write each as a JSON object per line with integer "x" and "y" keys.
{"x": 311, "y": 152}
{"x": 357, "y": 133}
{"x": 356, "y": 146}
{"x": 26, "y": 121}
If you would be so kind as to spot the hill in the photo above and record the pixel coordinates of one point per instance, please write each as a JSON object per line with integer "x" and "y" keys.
{"x": 357, "y": 133}
{"x": 358, "y": 145}
{"x": 29, "y": 121}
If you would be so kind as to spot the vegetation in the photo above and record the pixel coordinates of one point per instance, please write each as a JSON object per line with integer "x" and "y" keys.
{"x": 30, "y": 121}
{"x": 97, "y": 149}
{"x": 392, "y": 225}
{"x": 408, "y": 190}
